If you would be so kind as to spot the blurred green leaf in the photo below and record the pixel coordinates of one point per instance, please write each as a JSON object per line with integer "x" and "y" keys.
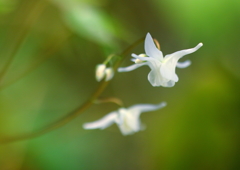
{"x": 91, "y": 22}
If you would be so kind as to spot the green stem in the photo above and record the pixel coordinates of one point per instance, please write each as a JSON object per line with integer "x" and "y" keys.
{"x": 108, "y": 58}
{"x": 103, "y": 84}
{"x": 115, "y": 100}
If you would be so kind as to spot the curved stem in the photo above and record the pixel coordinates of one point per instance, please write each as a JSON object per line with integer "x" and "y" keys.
{"x": 114, "y": 100}
{"x": 103, "y": 84}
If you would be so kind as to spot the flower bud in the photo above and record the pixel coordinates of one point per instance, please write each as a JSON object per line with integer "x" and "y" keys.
{"x": 100, "y": 71}
{"x": 109, "y": 73}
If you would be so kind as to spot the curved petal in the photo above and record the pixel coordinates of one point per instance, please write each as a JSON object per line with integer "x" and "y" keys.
{"x": 155, "y": 78}
{"x": 179, "y": 54}
{"x": 136, "y": 110}
{"x": 131, "y": 67}
{"x": 102, "y": 123}
{"x": 168, "y": 71}
{"x": 170, "y": 62}
{"x": 184, "y": 64}
{"x": 151, "y": 49}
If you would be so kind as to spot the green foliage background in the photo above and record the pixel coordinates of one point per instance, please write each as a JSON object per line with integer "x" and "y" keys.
{"x": 49, "y": 50}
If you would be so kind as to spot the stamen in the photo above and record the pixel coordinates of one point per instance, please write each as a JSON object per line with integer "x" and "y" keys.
{"x": 157, "y": 43}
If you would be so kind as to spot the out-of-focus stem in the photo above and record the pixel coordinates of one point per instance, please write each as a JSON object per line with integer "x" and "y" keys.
{"x": 109, "y": 100}
{"x": 103, "y": 84}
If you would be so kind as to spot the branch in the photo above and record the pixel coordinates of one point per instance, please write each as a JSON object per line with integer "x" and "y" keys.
{"x": 72, "y": 115}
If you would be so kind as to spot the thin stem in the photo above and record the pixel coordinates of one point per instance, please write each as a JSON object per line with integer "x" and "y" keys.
{"x": 109, "y": 100}
{"x": 103, "y": 84}
{"x": 108, "y": 58}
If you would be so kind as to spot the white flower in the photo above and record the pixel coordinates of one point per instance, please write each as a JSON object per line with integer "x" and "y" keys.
{"x": 162, "y": 68}
{"x": 128, "y": 120}
{"x": 102, "y": 71}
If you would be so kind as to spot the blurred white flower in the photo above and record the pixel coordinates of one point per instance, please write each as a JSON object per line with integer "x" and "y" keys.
{"x": 162, "y": 68}
{"x": 102, "y": 71}
{"x": 128, "y": 120}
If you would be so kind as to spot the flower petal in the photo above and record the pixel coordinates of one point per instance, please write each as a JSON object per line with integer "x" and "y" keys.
{"x": 131, "y": 122}
{"x": 179, "y": 54}
{"x": 136, "y": 110}
{"x": 128, "y": 123}
{"x": 169, "y": 83}
{"x": 184, "y": 64}
{"x": 142, "y": 58}
{"x": 130, "y": 68}
{"x": 168, "y": 71}
{"x": 133, "y": 60}
{"x": 170, "y": 62}
{"x": 102, "y": 123}
{"x": 151, "y": 49}
{"x": 154, "y": 78}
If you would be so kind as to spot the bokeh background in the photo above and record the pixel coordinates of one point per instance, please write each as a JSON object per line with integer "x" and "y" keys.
{"x": 49, "y": 50}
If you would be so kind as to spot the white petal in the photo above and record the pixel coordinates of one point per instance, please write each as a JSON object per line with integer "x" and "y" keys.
{"x": 154, "y": 78}
{"x": 133, "y": 60}
{"x": 130, "y": 68}
{"x": 129, "y": 123}
{"x": 170, "y": 62}
{"x": 179, "y": 54}
{"x": 136, "y": 110}
{"x": 151, "y": 49}
{"x": 184, "y": 64}
{"x": 142, "y": 58}
{"x": 125, "y": 130}
{"x": 168, "y": 71}
{"x": 169, "y": 83}
{"x": 102, "y": 123}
